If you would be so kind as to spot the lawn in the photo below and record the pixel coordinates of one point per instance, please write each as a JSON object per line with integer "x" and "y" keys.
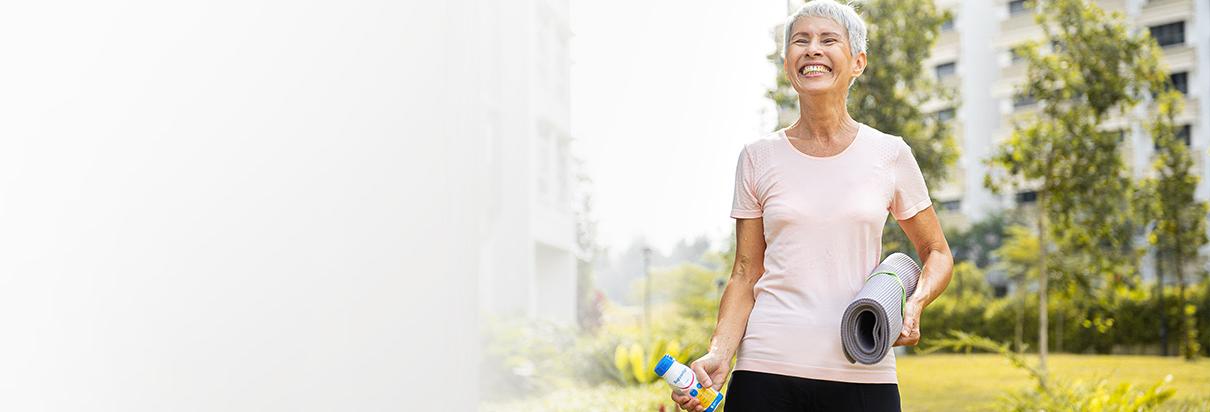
{"x": 942, "y": 382}
{"x": 973, "y": 382}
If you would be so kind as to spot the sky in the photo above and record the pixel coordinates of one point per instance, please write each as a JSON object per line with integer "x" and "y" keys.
{"x": 664, "y": 95}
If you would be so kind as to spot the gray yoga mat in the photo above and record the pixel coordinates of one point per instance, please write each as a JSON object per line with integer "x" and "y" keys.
{"x": 874, "y": 318}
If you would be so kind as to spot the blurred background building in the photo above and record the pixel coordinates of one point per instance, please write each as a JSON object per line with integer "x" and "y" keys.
{"x": 529, "y": 257}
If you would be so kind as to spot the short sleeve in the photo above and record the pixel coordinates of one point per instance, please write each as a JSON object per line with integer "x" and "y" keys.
{"x": 911, "y": 196}
{"x": 745, "y": 204}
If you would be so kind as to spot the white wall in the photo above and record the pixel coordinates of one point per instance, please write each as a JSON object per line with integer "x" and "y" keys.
{"x": 237, "y": 205}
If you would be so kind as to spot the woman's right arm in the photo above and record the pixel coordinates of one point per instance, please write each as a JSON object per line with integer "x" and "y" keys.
{"x": 738, "y": 299}
{"x": 734, "y": 308}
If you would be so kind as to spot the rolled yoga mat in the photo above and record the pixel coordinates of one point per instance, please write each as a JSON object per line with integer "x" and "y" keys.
{"x": 874, "y": 318}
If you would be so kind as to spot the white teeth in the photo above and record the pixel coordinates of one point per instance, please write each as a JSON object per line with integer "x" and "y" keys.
{"x": 814, "y": 68}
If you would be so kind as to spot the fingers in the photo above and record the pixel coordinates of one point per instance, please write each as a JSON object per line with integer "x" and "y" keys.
{"x": 687, "y": 402}
{"x": 702, "y": 376}
{"x": 909, "y": 337}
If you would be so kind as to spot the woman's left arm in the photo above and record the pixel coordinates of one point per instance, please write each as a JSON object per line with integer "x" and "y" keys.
{"x": 924, "y": 231}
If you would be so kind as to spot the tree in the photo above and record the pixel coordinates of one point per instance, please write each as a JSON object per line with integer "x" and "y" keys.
{"x": 968, "y": 280}
{"x": 979, "y": 242}
{"x": 888, "y": 96}
{"x": 1180, "y": 219}
{"x": 1017, "y": 257}
{"x": 1097, "y": 68}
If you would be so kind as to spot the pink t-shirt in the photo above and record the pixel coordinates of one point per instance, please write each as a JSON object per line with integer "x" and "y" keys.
{"x": 823, "y": 219}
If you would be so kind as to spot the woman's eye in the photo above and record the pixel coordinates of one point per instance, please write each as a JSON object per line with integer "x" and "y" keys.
{"x": 829, "y": 41}
{"x": 800, "y": 41}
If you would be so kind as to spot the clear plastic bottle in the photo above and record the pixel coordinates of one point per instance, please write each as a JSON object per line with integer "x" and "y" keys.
{"x": 684, "y": 381}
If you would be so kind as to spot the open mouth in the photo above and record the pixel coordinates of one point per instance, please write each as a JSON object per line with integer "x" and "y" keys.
{"x": 814, "y": 70}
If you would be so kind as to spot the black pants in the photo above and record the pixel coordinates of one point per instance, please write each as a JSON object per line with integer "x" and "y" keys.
{"x": 767, "y": 392}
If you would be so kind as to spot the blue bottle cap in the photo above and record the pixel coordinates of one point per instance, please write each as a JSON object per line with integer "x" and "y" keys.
{"x": 665, "y": 363}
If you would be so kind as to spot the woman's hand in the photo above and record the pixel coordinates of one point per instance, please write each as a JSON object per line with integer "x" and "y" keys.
{"x": 711, "y": 370}
{"x": 910, "y": 335}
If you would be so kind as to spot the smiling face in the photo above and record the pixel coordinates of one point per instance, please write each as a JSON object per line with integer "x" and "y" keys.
{"x": 818, "y": 58}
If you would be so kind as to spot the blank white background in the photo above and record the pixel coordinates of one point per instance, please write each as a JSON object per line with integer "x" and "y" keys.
{"x": 233, "y": 205}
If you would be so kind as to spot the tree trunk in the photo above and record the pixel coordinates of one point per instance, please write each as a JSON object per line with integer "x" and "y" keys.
{"x": 1159, "y": 273}
{"x": 1043, "y": 283}
{"x": 1019, "y": 333}
{"x": 1059, "y": 332}
{"x": 1190, "y": 348}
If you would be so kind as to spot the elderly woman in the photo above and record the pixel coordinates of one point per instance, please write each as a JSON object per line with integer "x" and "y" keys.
{"x": 810, "y": 204}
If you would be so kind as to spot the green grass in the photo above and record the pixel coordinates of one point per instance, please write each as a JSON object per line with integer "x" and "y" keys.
{"x": 974, "y": 382}
{"x": 938, "y": 382}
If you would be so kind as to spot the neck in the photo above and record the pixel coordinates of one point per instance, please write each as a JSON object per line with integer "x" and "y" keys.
{"x": 823, "y": 118}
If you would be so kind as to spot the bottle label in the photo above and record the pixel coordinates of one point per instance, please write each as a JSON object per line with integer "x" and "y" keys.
{"x": 710, "y": 397}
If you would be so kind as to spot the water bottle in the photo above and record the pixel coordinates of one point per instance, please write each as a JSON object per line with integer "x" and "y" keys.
{"x": 684, "y": 381}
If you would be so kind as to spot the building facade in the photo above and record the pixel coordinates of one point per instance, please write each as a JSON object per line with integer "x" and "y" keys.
{"x": 529, "y": 257}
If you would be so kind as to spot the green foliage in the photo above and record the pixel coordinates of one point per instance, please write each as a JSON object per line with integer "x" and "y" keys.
{"x": 1169, "y": 197}
{"x": 1180, "y": 219}
{"x": 889, "y": 94}
{"x": 1125, "y": 322}
{"x": 1019, "y": 253}
{"x": 1097, "y": 68}
{"x": 524, "y": 357}
{"x": 686, "y": 297}
{"x": 1190, "y": 347}
{"x": 968, "y": 280}
{"x": 638, "y": 366}
{"x": 978, "y": 243}
{"x": 1050, "y": 394}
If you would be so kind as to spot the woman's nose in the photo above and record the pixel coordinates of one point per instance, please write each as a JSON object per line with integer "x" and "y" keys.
{"x": 813, "y": 49}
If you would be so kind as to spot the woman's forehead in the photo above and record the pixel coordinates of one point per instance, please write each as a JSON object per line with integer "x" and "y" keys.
{"x": 818, "y": 26}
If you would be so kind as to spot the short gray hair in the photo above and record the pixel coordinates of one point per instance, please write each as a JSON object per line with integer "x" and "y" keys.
{"x": 842, "y": 14}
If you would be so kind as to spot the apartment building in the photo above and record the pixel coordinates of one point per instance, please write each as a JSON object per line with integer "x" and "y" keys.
{"x": 528, "y": 257}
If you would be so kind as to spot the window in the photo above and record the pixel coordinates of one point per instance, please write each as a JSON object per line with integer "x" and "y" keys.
{"x": 1180, "y": 81}
{"x": 562, "y": 171}
{"x": 1183, "y": 134}
{"x": 1169, "y": 34}
{"x": 544, "y": 157}
{"x": 1023, "y": 100}
{"x": 1000, "y": 290}
{"x": 945, "y": 115}
{"x": 1121, "y": 135}
{"x": 945, "y": 70}
{"x": 1016, "y": 54}
{"x": 1027, "y": 197}
{"x": 1016, "y": 7}
{"x": 951, "y": 205}
{"x": 1056, "y": 46}
{"x": 948, "y": 24}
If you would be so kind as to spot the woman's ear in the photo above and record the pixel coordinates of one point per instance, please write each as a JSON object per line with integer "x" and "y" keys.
{"x": 859, "y": 64}
{"x": 785, "y": 66}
